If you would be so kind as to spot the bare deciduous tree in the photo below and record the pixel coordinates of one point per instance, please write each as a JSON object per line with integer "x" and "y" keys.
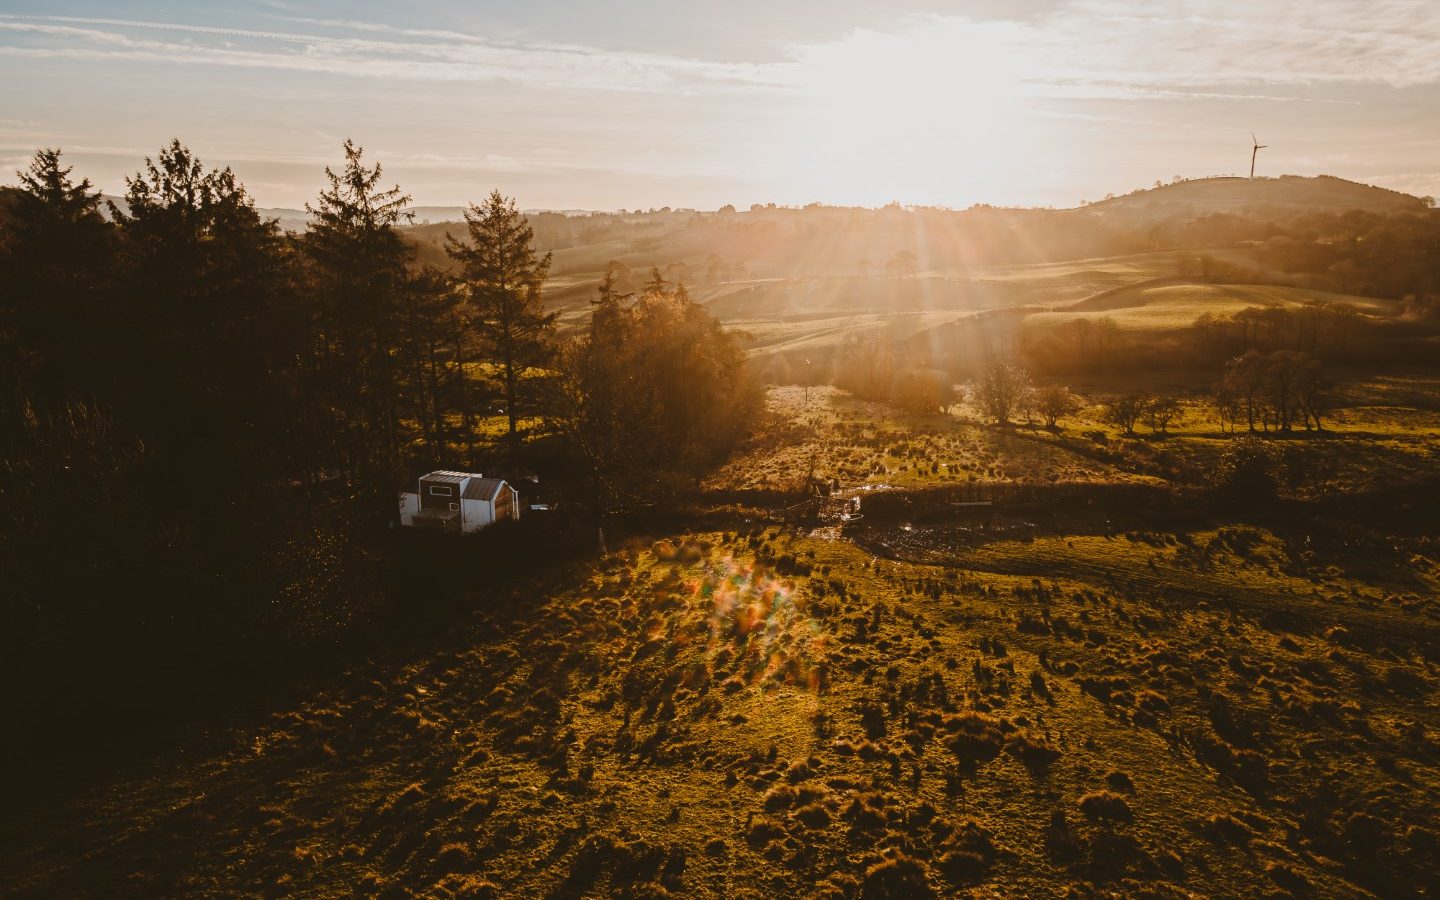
{"x": 1124, "y": 411}
{"x": 1055, "y": 403}
{"x": 1002, "y": 390}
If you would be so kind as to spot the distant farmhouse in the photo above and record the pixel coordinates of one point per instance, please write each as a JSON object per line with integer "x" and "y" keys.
{"x": 458, "y": 501}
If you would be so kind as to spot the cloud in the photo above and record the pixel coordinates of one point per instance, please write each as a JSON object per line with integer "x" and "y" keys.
{"x": 1183, "y": 49}
{"x": 472, "y": 59}
{"x": 1109, "y": 49}
{"x": 1188, "y": 43}
{"x": 1420, "y": 184}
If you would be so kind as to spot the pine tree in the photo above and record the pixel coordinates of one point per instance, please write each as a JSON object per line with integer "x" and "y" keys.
{"x": 362, "y": 291}
{"x": 55, "y": 255}
{"x": 501, "y": 277}
{"x": 207, "y": 315}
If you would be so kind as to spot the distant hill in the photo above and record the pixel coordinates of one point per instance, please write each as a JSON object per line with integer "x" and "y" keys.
{"x": 1260, "y": 197}
{"x": 1256, "y": 197}
{"x": 297, "y": 219}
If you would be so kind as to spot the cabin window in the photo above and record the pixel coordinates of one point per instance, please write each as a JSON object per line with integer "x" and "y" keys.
{"x": 441, "y": 490}
{"x": 454, "y": 506}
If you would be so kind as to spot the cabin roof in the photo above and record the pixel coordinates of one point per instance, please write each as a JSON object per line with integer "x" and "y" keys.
{"x": 482, "y": 488}
{"x": 443, "y": 476}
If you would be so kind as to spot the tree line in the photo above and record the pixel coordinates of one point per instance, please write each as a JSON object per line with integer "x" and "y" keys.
{"x": 1258, "y": 391}
{"x": 204, "y": 418}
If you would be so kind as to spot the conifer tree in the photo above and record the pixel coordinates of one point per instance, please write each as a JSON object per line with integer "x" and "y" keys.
{"x": 55, "y": 254}
{"x": 362, "y": 288}
{"x": 205, "y": 306}
{"x": 501, "y": 277}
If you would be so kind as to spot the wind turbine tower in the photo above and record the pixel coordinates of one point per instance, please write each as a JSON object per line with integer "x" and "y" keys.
{"x": 1254, "y": 150}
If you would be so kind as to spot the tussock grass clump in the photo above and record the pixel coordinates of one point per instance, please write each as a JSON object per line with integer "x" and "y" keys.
{"x": 453, "y": 857}
{"x": 1224, "y": 828}
{"x": 465, "y": 887}
{"x": 781, "y": 796}
{"x": 967, "y": 852}
{"x": 1289, "y": 879}
{"x": 900, "y": 876}
{"x": 1105, "y": 806}
{"x": 762, "y": 832}
{"x": 1033, "y": 752}
{"x": 1119, "y": 782}
{"x": 974, "y": 738}
{"x": 813, "y": 816}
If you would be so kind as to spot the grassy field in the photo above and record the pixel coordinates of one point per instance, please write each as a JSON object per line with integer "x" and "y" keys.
{"x": 814, "y": 313}
{"x": 860, "y": 444}
{"x": 1166, "y": 307}
{"x": 1064, "y": 694}
{"x": 763, "y": 713}
{"x": 1384, "y": 431}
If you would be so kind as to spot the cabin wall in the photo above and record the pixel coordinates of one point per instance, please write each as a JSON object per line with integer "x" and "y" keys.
{"x": 476, "y": 514}
{"x": 505, "y": 505}
{"x": 409, "y": 506}
{"x": 430, "y": 500}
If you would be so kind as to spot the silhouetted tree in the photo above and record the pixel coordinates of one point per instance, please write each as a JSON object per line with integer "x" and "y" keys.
{"x": 1276, "y": 388}
{"x": 55, "y": 264}
{"x": 361, "y": 288}
{"x": 207, "y": 324}
{"x": 653, "y": 394}
{"x": 501, "y": 277}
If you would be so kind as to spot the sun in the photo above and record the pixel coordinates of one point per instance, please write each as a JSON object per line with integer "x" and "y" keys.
{"x": 943, "y": 112}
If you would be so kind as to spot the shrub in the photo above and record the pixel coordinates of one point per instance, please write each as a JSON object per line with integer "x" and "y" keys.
{"x": 1250, "y": 470}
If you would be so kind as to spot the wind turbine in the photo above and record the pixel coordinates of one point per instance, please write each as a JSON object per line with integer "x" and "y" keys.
{"x": 1253, "y": 151}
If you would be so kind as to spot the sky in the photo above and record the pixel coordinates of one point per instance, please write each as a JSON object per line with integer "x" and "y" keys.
{"x": 608, "y": 104}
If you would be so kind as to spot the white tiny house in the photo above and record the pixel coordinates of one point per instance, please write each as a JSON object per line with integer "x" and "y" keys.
{"x": 458, "y": 501}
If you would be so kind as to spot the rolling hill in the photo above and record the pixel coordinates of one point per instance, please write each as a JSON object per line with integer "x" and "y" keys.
{"x": 1259, "y": 196}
